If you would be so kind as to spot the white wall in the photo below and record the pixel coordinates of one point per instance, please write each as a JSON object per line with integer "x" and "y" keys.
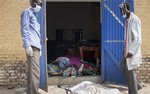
{"x": 73, "y": 16}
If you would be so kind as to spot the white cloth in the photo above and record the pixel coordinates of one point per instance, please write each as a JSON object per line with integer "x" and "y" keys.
{"x": 87, "y": 87}
{"x": 134, "y": 41}
{"x": 65, "y": 59}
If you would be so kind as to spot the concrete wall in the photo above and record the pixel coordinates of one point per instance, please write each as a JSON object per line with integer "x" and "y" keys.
{"x": 142, "y": 11}
{"x": 10, "y": 38}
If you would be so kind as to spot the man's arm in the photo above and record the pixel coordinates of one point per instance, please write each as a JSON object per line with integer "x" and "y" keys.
{"x": 25, "y": 27}
{"x": 25, "y": 32}
{"x": 136, "y": 34}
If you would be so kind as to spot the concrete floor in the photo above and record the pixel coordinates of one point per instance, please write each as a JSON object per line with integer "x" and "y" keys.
{"x": 72, "y": 80}
{"x": 54, "y": 90}
{"x": 124, "y": 90}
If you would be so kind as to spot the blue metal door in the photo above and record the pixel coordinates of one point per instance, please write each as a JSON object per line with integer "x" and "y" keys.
{"x": 112, "y": 40}
{"x": 43, "y": 58}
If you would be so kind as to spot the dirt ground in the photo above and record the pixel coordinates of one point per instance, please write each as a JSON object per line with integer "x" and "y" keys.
{"x": 55, "y": 90}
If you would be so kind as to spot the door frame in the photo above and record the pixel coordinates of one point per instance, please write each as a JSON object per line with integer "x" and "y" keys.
{"x": 99, "y": 1}
{"x": 73, "y": 0}
{"x": 43, "y": 58}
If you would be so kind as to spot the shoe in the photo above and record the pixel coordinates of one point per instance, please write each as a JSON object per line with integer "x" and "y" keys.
{"x": 139, "y": 86}
{"x": 143, "y": 85}
{"x": 23, "y": 93}
{"x": 10, "y": 87}
{"x": 26, "y": 93}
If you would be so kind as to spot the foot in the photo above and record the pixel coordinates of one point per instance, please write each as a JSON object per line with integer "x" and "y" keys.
{"x": 23, "y": 93}
{"x": 139, "y": 86}
{"x": 10, "y": 87}
{"x": 142, "y": 84}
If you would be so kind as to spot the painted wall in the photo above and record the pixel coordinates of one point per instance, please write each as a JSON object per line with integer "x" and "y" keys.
{"x": 10, "y": 37}
{"x": 142, "y": 11}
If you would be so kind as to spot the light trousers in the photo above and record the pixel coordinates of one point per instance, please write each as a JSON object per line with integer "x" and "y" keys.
{"x": 33, "y": 76}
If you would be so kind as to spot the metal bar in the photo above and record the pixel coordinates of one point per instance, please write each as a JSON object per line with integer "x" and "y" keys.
{"x": 112, "y": 56}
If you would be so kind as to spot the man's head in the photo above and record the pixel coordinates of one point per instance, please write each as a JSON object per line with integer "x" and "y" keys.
{"x": 36, "y": 5}
{"x": 125, "y": 9}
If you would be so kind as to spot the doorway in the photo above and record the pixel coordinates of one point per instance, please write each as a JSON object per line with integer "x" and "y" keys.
{"x": 74, "y": 31}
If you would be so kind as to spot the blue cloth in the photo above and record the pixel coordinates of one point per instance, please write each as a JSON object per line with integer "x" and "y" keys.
{"x": 62, "y": 61}
{"x": 30, "y": 29}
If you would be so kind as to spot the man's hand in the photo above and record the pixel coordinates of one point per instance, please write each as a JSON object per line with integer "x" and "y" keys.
{"x": 29, "y": 51}
{"x": 40, "y": 53}
{"x": 129, "y": 55}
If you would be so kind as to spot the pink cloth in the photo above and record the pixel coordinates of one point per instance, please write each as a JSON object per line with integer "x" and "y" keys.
{"x": 74, "y": 61}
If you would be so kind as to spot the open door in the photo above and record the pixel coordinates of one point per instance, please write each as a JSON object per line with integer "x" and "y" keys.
{"x": 43, "y": 58}
{"x": 112, "y": 40}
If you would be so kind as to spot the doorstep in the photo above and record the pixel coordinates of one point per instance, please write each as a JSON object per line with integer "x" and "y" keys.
{"x": 72, "y": 80}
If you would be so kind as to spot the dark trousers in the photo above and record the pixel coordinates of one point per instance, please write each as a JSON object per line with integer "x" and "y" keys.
{"x": 130, "y": 77}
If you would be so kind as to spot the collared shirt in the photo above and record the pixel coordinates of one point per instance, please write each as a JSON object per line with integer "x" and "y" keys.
{"x": 133, "y": 42}
{"x": 30, "y": 29}
{"x": 125, "y": 39}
